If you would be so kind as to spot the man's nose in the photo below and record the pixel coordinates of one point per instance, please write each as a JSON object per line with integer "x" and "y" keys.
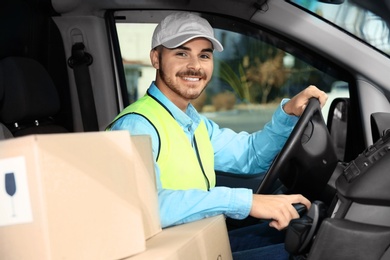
{"x": 194, "y": 63}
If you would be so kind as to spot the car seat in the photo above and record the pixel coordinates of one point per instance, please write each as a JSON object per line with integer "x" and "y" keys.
{"x": 29, "y": 97}
{"x": 5, "y": 133}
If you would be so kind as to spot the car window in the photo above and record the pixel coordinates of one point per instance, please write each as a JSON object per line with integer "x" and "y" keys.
{"x": 251, "y": 76}
{"x": 361, "y": 23}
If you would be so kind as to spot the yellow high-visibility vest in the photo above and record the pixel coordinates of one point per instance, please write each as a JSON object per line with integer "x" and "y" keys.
{"x": 182, "y": 165}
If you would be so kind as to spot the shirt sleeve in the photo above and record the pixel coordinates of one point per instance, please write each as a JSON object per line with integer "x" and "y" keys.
{"x": 182, "y": 206}
{"x": 244, "y": 153}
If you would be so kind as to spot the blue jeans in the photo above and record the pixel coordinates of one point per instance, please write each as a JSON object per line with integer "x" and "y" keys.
{"x": 258, "y": 242}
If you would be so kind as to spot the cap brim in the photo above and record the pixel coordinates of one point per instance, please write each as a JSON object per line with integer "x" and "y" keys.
{"x": 181, "y": 39}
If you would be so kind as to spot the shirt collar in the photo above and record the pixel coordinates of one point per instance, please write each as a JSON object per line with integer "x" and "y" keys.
{"x": 189, "y": 118}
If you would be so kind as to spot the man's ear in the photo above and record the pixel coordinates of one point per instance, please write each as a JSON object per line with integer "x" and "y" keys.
{"x": 154, "y": 59}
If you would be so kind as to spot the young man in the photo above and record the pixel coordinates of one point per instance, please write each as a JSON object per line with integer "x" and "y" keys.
{"x": 188, "y": 147}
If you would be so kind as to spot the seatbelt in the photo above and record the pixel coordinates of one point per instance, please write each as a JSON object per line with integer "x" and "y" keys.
{"x": 79, "y": 62}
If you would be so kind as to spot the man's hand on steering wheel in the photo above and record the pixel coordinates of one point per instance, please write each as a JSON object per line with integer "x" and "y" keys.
{"x": 297, "y": 104}
{"x": 277, "y": 208}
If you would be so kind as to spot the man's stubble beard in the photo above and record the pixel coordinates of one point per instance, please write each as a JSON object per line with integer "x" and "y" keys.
{"x": 175, "y": 88}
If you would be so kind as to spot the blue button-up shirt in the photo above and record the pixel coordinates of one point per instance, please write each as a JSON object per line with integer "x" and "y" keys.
{"x": 240, "y": 153}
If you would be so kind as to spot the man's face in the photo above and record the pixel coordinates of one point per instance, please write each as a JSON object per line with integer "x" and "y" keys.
{"x": 183, "y": 72}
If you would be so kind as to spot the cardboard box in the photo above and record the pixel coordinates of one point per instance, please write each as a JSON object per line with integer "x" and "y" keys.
{"x": 76, "y": 196}
{"x": 146, "y": 184}
{"x": 203, "y": 239}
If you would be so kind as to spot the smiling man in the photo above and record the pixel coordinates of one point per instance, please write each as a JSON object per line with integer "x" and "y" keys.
{"x": 188, "y": 147}
{"x": 183, "y": 72}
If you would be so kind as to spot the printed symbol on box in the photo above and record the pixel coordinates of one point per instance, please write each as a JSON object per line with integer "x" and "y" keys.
{"x": 15, "y": 201}
{"x": 10, "y": 188}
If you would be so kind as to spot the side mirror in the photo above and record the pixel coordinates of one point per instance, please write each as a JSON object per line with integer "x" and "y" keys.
{"x": 337, "y": 123}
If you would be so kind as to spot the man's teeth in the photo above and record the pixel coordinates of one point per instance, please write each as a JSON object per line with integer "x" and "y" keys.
{"x": 192, "y": 79}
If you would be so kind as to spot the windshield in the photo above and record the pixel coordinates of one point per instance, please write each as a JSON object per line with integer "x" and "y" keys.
{"x": 360, "y": 22}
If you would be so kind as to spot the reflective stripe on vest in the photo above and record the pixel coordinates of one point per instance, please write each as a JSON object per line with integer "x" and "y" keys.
{"x": 181, "y": 167}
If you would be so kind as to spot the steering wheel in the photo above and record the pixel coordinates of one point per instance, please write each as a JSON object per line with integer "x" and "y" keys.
{"x": 307, "y": 160}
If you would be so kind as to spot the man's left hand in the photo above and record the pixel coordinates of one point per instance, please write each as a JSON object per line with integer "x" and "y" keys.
{"x": 297, "y": 104}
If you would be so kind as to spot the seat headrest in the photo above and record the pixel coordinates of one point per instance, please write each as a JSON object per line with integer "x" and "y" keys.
{"x": 26, "y": 91}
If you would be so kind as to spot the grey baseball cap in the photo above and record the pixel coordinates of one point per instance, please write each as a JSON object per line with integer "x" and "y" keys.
{"x": 181, "y": 27}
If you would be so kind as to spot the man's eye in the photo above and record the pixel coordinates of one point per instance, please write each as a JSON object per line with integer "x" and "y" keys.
{"x": 205, "y": 56}
{"x": 181, "y": 54}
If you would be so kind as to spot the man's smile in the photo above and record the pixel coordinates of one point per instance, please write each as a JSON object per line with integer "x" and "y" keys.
{"x": 191, "y": 79}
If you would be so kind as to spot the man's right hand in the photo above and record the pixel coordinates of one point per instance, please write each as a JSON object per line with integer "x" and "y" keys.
{"x": 277, "y": 208}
